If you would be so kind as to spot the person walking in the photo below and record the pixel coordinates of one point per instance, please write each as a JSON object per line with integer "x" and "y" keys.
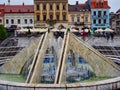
{"x": 107, "y": 36}
{"x": 112, "y": 35}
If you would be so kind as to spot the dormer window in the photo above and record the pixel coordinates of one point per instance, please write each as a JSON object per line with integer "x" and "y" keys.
{"x": 19, "y": 10}
{"x": 28, "y": 10}
{"x": 102, "y": 4}
{"x": 96, "y": 3}
{"x": 10, "y": 10}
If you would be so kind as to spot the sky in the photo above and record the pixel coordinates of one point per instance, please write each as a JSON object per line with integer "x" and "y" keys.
{"x": 114, "y": 4}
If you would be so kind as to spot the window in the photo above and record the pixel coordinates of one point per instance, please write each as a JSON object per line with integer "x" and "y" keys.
{"x": 38, "y": 7}
{"x": 7, "y": 21}
{"x": 44, "y": 17}
{"x": 57, "y": 17}
{"x": 104, "y": 21}
{"x": 44, "y": 7}
{"x": 64, "y": 7}
{"x": 72, "y": 18}
{"x": 64, "y": 17}
{"x": 94, "y": 13}
{"x": 12, "y": 21}
{"x": 0, "y": 20}
{"x": 86, "y": 19}
{"x": 57, "y": 7}
{"x": 51, "y": 17}
{"x": 104, "y": 12}
{"x": 78, "y": 19}
{"x": 102, "y": 4}
{"x": 99, "y": 21}
{"x": 25, "y": 21}
{"x": 94, "y": 21}
{"x": 96, "y": 3}
{"x": 38, "y": 17}
{"x": 18, "y": 21}
{"x": 51, "y": 7}
{"x": 31, "y": 21}
{"x": 99, "y": 14}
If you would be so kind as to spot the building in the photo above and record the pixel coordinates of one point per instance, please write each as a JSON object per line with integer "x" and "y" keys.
{"x": 118, "y": 21}
{"x": 115, "y": 21}
{"x": 79, "y": 14}
{"x": 20, "y": 15}
{"x": 50, "y": 10}
{"x": 2, "y": 14}
{"x": 99, "y": 14}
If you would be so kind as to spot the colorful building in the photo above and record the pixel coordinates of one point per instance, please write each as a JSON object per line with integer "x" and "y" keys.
{"x": 20, "y": 15}
{"x": 79, "y": 14}
{"x": 99, "y": 14}
{"x": 2, "y": 13}
{"x": 50, "y": 10}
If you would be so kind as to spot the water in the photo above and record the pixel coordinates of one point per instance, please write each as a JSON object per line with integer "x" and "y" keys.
{"x": 50, "y": 62}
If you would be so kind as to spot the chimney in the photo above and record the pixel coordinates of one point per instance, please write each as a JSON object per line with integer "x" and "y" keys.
{"x": 77, "y": 2}
{"x": 8, "y": 2}
{"x": 23, "y": 4}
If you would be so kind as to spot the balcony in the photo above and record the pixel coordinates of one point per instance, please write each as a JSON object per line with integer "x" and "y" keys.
{"x": 94, "y": 17}
{"x": 100, "y": 24}
{"x": 79, "y": 23}
{"x": 105, "y": 16}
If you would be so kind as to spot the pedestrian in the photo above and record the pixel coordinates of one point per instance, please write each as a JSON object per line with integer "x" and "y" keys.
{"x": 107, "y": 36}
{"x": 112, "y": 35}
{"x": 84, "y": 34}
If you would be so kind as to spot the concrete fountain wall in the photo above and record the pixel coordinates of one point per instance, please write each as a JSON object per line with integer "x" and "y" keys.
{"x": 110, "y": 84}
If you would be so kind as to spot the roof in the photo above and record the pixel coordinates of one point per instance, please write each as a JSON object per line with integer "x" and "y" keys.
{"x": 118, "y": 11}
{"x": 99, "y": 4}
{"x": 2, "y": 10}
{"x": 78, "y": 8}
{"x": 19, "y": 9}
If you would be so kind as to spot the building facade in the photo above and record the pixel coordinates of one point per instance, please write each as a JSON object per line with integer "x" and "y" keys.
{"x": 79, "y": 15}
{"x": 20, "y": 15}
{"x": 115, "y": 21}
{"x": 2, "y": 14}
{"x": 99, "y": 14}
{"x": 50, "y": 10}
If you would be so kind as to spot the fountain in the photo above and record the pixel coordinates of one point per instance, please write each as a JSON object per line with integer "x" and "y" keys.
{"x": 59, "y": 59}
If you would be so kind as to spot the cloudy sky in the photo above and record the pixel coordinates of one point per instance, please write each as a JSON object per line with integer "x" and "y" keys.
{"x": 113, "y": 3}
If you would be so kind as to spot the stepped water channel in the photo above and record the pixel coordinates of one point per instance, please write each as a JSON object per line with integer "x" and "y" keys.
{"x": 58, "y": 57}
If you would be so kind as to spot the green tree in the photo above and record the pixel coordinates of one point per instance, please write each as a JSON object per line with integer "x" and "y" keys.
{"x": 3, "y": 33}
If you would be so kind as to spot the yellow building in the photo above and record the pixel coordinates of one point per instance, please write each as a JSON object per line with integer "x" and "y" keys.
{"x": 79, "y": 15}
{"x": 50, "y": 10}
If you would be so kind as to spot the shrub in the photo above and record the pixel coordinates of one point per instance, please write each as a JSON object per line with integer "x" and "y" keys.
{"x": 3, "y": 33}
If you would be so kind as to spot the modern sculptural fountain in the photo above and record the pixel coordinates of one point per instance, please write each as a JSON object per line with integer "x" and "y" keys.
{"x": 59, "y": 58}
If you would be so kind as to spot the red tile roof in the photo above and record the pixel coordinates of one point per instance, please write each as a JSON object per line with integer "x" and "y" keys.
{"x": 19, "y": 9}
{"x": 78, "y": 8}
{"x": 99, "y": 4}
{"x": 2, "y": 10}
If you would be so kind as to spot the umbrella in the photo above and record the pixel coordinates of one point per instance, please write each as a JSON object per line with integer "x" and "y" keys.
{"x": 108, "y": 30}
{"x": 99, "y": 30}
{"x": 86, "y": 30}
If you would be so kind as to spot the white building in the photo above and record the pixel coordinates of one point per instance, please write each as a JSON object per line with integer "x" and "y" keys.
{"x": 20, "y": 15}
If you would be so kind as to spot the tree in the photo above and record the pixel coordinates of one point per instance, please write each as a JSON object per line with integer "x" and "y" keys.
{"x": 3, "y": 33}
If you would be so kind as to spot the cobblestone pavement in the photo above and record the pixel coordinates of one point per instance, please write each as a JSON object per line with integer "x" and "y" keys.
{"x": 102, "y": 41}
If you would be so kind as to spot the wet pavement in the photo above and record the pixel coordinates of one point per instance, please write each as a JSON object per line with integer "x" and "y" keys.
{"x": 102, "y": 41}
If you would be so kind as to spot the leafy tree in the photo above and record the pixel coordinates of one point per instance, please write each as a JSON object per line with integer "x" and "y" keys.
{"x": 3, "y": 33}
